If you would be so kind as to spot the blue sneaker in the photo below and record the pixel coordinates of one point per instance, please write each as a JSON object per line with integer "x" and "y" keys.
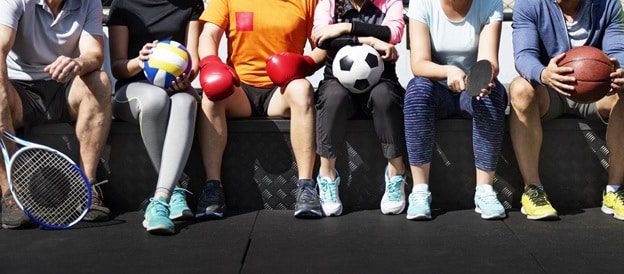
{"x": 307, "y": 201}
{"x": 212, "y": 201}
{"x": 178, "y": 208}
{"x": 419, "y": 203}
{"x": 393, "y": 200}
{"x": 157, "y": 217}
{"x": 330, "y": 199}
{"x": 487, "y": 204}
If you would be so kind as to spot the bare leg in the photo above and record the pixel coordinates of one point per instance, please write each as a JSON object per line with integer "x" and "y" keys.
{"x": 528, "y": 105}
{"x": 90, "y": 107}
{"x": 613, "y": 108}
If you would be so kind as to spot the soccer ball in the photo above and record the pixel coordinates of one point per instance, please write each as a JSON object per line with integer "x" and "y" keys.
{"x": 168, "y": 60}
{"x": 358, "y": 68}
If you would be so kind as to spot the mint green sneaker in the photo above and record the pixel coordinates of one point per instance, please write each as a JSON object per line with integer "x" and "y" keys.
{"x": 157, "y": 217}
{"x": 487, "y": 204}
{"x": 178, "y": 208}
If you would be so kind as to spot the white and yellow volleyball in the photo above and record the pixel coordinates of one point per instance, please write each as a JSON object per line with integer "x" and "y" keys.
{"x": 169, "y": 59}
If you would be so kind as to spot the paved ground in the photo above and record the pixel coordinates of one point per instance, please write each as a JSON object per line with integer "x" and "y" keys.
{"x": 359, "y": 242}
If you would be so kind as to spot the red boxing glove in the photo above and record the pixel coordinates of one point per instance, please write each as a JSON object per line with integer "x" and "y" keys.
{"x": 287, "y": 66}
{"x": 216, "y": 78}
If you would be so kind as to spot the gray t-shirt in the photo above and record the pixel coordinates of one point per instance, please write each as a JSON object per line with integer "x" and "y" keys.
{"x": 41, "y": 38}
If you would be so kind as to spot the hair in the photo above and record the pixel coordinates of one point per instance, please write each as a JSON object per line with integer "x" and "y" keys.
{"x": 339, "y": 11}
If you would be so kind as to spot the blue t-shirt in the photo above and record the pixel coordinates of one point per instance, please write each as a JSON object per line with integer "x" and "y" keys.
{"x": 455, "y": 42}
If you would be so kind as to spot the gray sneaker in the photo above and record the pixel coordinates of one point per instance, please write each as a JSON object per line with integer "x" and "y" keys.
{"x": 98, "y": 212}
{"x": 308, "y": 203}
{"x": 12, "y": 215}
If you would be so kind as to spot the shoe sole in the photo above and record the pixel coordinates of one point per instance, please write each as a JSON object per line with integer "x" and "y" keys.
{"x": 392, "y": 212}
{"x": 610, "y": 211}
{"x": 307, "y": 213}
{"x": 490, "y": 217}
{"x": 185, "y": 215}
{"x": 418, "y": 217}
{"x": 210, "y": 215}
{"x": 159, "y": 230}
{"x": 334, "y": 213}
{"x": 547, "y": 216}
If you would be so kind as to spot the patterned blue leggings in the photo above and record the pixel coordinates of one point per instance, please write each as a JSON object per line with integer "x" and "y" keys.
{"x": 426, "y": 101}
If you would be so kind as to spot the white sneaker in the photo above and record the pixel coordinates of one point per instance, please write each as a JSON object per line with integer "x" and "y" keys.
{"x": 393, "y": 200}
{"x": 330, "y": 199}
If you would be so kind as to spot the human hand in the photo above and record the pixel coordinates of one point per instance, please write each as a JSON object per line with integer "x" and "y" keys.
{"x": 181, "y": 83}
{"x": 555, "y": 77}
{"x": 388, "y": 51}
{"x": 322, "y": 33}
{"x": 455, "y": 79}
{"x": 617, "y": 78}
{"x": 144, "y": 53}
{"x": 63, "y": 69}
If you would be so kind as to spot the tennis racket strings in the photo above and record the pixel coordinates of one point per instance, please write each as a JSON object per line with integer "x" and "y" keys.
{"x": 50, "y": 188}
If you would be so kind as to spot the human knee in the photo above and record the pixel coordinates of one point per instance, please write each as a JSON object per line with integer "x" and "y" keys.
{"x": 419, "y": 89}
{"x": 521, "y": 93}
{"x": 381, "y": 96}
{"x": 96, "y": 84}
{"x": 300, "y": 93}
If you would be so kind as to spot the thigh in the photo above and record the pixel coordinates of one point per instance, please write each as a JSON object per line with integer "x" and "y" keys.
{"x": 132, "y": 99}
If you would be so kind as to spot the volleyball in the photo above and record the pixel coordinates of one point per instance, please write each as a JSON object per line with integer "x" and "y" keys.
{"x": 168, "y": 60}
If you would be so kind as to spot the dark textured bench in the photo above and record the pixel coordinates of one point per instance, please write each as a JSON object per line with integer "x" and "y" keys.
{"x": 259, "y": 171}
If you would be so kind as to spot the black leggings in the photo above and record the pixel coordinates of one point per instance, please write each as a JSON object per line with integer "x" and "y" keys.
{"x": 335, "y": 105}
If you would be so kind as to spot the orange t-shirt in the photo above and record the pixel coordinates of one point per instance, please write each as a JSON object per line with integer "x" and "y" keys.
{"x": 258, "y": 29}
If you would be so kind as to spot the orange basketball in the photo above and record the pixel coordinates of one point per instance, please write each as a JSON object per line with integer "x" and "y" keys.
{"x": 592, "y": 68}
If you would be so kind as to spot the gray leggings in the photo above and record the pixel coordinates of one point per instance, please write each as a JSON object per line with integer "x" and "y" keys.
{"x": 167, "y": 124}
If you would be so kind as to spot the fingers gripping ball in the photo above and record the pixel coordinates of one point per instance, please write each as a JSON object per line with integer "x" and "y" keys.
{"x": 592, "y": 69}
{"x": 358, "y": 68}
{"x": 168, "y": 60}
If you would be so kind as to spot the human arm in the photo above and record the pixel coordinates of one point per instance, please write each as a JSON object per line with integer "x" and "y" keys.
{"x": 331, "y": 35}
{"x": 421, "y": 59}
{"x": 7, "y": 38}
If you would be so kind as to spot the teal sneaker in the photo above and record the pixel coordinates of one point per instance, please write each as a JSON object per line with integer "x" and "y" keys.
{"x": 157, "y": 217}
{"x": 330, "y": 199}
{"x": 178, "y": 208}
{"x": 419, "y": 203}
{"x": 487, "y": 204}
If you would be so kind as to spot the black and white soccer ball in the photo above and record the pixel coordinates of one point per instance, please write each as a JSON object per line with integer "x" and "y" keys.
{"x": 358, "y": 68}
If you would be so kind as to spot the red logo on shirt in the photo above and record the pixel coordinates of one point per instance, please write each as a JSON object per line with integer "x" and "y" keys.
{"x": 244, "y": 21}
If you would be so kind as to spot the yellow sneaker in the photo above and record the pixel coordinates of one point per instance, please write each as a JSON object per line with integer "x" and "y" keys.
{"x": 535, "y": 204}
{"x": 613, "y": 203}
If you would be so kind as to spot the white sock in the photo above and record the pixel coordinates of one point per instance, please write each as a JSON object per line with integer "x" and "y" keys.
{"x": 612, "y": 188}
{"x": 420, "y": 187}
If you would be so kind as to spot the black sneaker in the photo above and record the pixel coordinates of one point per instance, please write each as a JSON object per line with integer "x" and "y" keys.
{"x": 12, "y": 215}
{"x": 211, "y": 203}
{"x": 307, "y": 201}
{"x": 98, "y": 212}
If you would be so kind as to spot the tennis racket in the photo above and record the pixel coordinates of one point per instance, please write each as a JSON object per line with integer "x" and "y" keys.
{"x": 47, "y": 185}
{"x": 479, "y": 77}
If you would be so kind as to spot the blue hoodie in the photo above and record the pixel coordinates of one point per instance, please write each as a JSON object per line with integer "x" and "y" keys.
{"x": 540, "y": 33}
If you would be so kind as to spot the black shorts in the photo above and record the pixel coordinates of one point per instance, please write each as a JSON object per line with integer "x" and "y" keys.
{"x": 43, "y": 101}
{"x": 259, "y": 99}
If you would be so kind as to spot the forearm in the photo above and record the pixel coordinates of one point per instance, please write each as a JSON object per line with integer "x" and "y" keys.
{"x": 89, "y": 62}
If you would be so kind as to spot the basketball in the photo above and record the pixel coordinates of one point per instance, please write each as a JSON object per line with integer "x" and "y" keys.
{"x": 358, "y": 68}
{"x": 168, "y": 60}
{"x": 592, "y": 68}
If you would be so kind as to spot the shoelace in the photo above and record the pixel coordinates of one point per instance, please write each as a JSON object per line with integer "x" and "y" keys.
{"x": 394, "y": 188}
{"x": 308, "y": 194}
{"x": 538, "y": 197}
{"x": 488, "y": 197}
{"x": 97, "y": 194}
{"x": 619, "y": 195}
{"x": 179, "y": 195}
{"x": 418, "y": 197}
{"x": 211, "y": 195}
{"x": 328, "y": 190}
{"x": 160, "y": 208}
